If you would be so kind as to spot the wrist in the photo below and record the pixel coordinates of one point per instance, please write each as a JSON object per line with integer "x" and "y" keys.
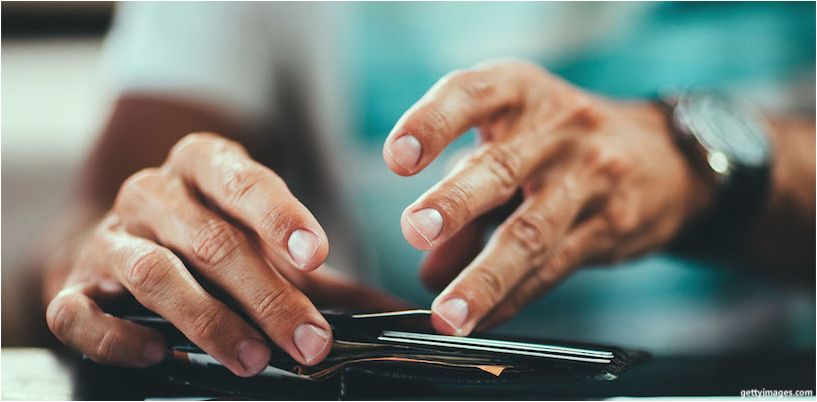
{"x": 697, "y": 186}
{"x": 729, "y": 151}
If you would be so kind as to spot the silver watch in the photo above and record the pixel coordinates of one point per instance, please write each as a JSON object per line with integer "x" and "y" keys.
{"x": 727, "y": 140}
{"x": 729, "y": 132}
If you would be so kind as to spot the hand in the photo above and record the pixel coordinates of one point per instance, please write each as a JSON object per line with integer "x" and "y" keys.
{"x": 238, "y": 227}
{"x": 600, "y": 181}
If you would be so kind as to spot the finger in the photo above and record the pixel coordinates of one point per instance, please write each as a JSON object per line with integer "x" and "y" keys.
{"x": 458, "y": 101}
{"x": 253, "y": 194}
{"x": 581, "y": 245}
{"x": 487, "y": 178}
{"x": 224, "y": 255}
{"x": 443, "y": 263}
{"x": 77, "y": 321}
{"x": 160, "y": 282}
{"x": 519, "y": 244}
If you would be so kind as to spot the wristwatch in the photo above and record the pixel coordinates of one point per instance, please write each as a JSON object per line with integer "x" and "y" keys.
{"x": 727, "y": 142}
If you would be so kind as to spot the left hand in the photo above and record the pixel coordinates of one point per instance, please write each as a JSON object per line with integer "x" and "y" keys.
{"x": 601, "y": 181}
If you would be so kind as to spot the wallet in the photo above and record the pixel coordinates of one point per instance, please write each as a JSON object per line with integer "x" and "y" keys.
{"x": 398, "y": 355}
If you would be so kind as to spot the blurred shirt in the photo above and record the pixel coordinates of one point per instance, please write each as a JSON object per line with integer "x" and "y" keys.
{"x": 360, "y": 65}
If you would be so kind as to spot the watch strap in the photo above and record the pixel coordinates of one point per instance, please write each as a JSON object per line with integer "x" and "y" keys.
{"x": 736, "y": 207}
{"x": 738, "y": 201}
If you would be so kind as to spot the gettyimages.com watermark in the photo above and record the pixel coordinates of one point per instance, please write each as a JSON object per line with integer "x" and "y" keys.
{"x": 775, "y": 393}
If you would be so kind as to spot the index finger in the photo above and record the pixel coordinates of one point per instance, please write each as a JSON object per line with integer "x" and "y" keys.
{"x": 251, "y": 193}
{"x": 457, "y": 102}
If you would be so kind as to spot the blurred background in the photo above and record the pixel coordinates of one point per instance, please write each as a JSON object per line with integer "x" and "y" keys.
{"x": 58, "y": 87}
{"x": 54, "y": 98}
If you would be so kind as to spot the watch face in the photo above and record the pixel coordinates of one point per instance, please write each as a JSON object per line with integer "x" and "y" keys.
{"x": 726, "y": 128}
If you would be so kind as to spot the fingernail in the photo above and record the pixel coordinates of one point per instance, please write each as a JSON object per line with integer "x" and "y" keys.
{"x": 302, "y": 245}
{"x": 254, "y": 355}
{"x": 310, "y": 341}
{"x": 427, "y": 222}
{"x": 406, "y": 151}
{"x": 154, "y": 352}
{"x": 454, "y": 312}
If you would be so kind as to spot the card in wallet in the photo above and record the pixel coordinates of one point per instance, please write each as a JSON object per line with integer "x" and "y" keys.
{"x": 401, "y": 348}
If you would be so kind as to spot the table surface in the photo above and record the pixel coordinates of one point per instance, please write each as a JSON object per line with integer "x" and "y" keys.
{"x": 42, "y": 374}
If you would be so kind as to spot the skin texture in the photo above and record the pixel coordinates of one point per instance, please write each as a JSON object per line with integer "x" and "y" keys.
{"x": 600, "y": 181}
{"x": 574, "y": 179}
{"x": 784, "y": 236}
{"x": 234, "y": 223}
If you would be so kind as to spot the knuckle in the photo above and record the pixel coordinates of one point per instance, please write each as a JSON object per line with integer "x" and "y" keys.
{"x": 504, "y": 165}
{"x": 240, "y": 181}
{"x": 491, "y": 284}
{"x": 593, "y": 156}
{"x": 147, "y": 270}
{"x": 278, "y": 220}
{"x": 437, "y": 122}
{"x": 451, "y": 79}
{"x": 188, "y": 144}
{"x": 506, "y": 62}
{"x": 456, "y": 201}
{"x": 215, "y": 242}
{"x": 607, "y": 163}
{"x": 207, "y": 322}
{"x": 531, "y": 233}
{"x": 621, "y": 218}
{"x": 272, "y": 306}
{"x": 136, "y": 188}
{"x": 471, "y": 85}
{"x": 199, "y": 137}
{"x": 197, "y": 144}
{"x": 111, "y": 222}
{"x": 104, "y": 350}
{"x": 194, "y": 142}
{"x": 584, "y": 113}
{"x": 61, "y": 314}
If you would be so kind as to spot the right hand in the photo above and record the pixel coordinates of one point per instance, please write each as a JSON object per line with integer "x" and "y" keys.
{"x": 236, "y": 224}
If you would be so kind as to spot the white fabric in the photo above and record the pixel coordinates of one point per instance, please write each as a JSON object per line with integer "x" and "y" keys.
{"x": 227, "y": 53}
{"x": 215, "y": 51}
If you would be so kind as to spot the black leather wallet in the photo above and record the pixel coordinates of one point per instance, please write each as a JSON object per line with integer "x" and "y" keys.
{"x": 396, "y": 354}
